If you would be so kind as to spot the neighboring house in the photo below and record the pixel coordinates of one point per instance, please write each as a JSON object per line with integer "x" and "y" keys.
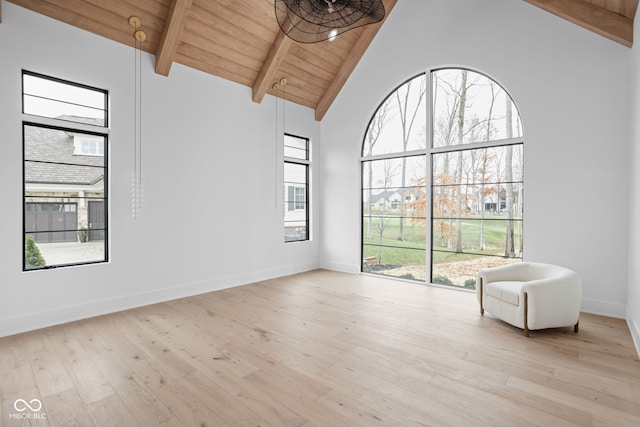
{"x": 386, "y": 200}
{"x": 63, "y": 172}
{"x": 497, "y": 202}
{"x": 392, "y": 200}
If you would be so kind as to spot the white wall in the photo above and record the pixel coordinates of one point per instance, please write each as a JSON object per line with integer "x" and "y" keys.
{"x": 572, "y": 90}
{"x": 210, "y": 217}
{"x": 633, "y": 305}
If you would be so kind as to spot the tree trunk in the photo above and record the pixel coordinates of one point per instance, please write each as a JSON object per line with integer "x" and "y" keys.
{"x": 509, "y": 251}
{"x": 461, "y": 112}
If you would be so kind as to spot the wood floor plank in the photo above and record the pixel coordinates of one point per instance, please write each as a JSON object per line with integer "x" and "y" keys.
{"x": 111, "y": 412}
{"x": 91, "y": 385}
{"x": 66, "y": 409}
{"x": 50, "y": 373}
{"x": 183, "y": 404}
{"x": 15, "y": 366}
{"x": 322, "y": 348}
{"x": 224, "y": 404}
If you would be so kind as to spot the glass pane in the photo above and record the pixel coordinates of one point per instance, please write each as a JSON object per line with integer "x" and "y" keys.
{"x": 462, "y": 269}
{"x": 295, "y": 231}
{"x": 60, "y": 146}
{"x": 383, "y": 231}
{"x": 296, "y": 148}
{"x": 63, "y": 230}
{"x": 396, "y": 262}
{"x": 469, "y": 107}
{"x": 406, "y": 172}
{"x": 399, "y": 125}
{"x": 483, "y": 165}
{"x": 55, "y": 250}
{"x": 50, "y": 98}
{"x": 480, "y": 236}
{"x": 296, "y": 216}
{"x": 51, "y": 173}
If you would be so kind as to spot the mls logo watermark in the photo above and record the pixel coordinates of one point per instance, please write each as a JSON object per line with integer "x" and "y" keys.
{"x": 28, "y": 410}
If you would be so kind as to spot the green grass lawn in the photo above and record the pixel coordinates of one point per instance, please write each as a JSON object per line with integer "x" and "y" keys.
{"x": 412, "y": 250}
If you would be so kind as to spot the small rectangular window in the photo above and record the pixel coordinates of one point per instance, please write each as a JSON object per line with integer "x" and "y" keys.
{"x": 296, "y": 188}
{"x": 65, "y": 173}
{"x": 58, "y": 99}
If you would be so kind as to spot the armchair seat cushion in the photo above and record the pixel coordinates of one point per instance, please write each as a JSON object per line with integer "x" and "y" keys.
{"x": 508, "y": 292}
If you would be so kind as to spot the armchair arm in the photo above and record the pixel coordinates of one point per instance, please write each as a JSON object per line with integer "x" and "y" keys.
{"x": 554, "y": 301}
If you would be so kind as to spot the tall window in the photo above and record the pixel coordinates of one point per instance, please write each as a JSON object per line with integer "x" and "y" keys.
{"x": 442, "y": 168}
{"x": 65, "y": 137}
{"x": 296, "y": 188}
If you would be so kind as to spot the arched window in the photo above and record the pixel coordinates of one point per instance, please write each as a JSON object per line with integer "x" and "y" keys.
{"x": 442, "y": 179}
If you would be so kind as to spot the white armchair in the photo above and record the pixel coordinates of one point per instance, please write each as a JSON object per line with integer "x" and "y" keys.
{"x": 531, "y": 295}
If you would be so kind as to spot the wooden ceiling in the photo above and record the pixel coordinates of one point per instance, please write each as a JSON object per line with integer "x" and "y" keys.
{"x": 240, "y": 40}
{"x": 609, "y": 18}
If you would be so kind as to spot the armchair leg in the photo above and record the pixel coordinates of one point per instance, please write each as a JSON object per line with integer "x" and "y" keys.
{"x": 526, "y": 315}
{"x": 481, "y": 306}
{"x": 576, "y": 327}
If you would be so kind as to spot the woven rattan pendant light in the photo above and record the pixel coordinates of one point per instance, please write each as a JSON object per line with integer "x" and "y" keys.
{"x": 313, "y": 21}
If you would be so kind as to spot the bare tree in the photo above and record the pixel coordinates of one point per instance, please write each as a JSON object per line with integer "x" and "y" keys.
{"x": 460, "y": 124}
{"x": 445, "y": 136}
{"x": 492, "y": 86}
{"x": 382, "y": 222}
{"x": 509, "y": 251}
{"x": 376, "y": 127}
{"x": 408, "y": 114}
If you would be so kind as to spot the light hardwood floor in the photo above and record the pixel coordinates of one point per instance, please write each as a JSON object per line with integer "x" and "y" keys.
{"x": 320, "y": 349}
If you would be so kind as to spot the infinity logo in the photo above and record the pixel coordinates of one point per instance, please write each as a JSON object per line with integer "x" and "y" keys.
{"x": 37, "y": 405}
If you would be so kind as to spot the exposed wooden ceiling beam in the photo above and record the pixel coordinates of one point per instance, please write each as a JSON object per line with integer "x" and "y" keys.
{"x": 174, "y": 25}
{"x": 629, "y": 8}
{"x": 360, "y": 47}
{"x": 594, "y": 18}
{"x": 266, "y": 75}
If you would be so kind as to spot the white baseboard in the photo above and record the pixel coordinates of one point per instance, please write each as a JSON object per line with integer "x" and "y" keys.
{"x": 604, "y": 308}
{"x": 60, "y": 315}
{"x": 340, "y": 267}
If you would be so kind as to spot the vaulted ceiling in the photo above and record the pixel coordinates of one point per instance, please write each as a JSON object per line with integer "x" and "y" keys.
{"x": 240, "y": 40}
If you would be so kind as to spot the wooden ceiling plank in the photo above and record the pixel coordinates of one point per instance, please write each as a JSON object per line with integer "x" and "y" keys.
{"x": 215, "y": 64}
{"x": 91, "y": 18}
{"x": 174, "y": 25}
{"x": 359, "y": 48}
{"x": 243, "y": 15}
{"x": 212, "y": 39}
{"x": 267, "y": 73}
{"x": 203, "y": 21}
{"x": 314, "y": 71}
{"x": 230, "y": 53}
{"x": 594, "y": 18}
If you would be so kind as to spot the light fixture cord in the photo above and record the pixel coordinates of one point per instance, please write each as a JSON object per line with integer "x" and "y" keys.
{"x": 136, "y": 178}
{"x": 140, "y": 188}
{"x": 134, "y": 203}
{"x": 277, "y": 143}
{"x": 284, "y": 111}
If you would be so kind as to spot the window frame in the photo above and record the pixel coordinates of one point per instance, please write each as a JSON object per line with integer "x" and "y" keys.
{"x": 428, "y": 152}
{"x": 74, "y": 129}
{"x": 295, "y": 202}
